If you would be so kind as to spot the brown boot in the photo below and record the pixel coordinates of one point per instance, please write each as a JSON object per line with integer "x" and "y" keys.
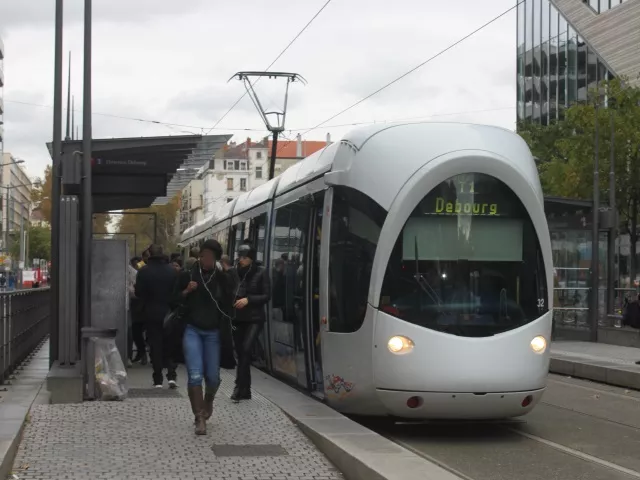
{"x": 208, "y": 405}
{"x": 197, "y": 406}
{"x": 190, "y": 390}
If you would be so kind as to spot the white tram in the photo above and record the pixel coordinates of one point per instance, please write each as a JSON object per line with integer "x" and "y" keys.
{"x": 410, "y": 269}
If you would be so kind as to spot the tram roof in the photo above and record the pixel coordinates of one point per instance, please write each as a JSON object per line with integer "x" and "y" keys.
{"x": 339, "y": 156}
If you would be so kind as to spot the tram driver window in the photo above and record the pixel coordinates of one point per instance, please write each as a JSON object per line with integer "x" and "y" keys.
{"x": 356, "y": 221}
{"x": 467, "y": 261}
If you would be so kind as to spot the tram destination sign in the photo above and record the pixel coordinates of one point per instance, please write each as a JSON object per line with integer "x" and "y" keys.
{"x": 494, "y": 202}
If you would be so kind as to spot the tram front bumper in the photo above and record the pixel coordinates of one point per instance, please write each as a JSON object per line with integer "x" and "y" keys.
{"x": 458, "y": 405}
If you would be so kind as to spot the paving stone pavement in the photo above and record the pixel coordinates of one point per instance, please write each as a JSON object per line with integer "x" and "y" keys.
{"x": 152, "y": 438}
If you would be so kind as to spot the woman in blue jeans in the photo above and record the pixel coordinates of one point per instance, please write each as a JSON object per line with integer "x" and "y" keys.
{"x": 205, "y": 292}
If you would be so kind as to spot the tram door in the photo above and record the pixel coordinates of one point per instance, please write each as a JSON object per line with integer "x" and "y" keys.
{"x": 315, "y": 356}
{"x": 289, "y": 257}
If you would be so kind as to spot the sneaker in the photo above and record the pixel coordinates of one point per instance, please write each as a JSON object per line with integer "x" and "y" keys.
{"x": 172, "y": 384}
{"x": 157, "y": 385}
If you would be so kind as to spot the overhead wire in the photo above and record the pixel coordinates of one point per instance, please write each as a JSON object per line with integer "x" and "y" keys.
{"x": 272, "y": 63}
{"x": 350, "y": 124}
{"x": 420, "y": 65}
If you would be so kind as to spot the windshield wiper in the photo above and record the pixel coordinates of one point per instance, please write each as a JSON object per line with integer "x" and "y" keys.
{"x": 422, "y": 282}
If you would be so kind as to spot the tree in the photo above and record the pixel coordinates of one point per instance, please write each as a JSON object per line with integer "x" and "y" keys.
{"x": 567, "y": 150}
{"x": 140, "y": 228}
{"x": 39, "y": 243}
{"x": 41, "y": 197}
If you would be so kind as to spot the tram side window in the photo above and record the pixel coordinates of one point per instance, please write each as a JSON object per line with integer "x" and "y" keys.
{"x": 256, "y": 234}
{"x": 239, "y": 235}
{"x": 222, "y": 237}
{"x": 356, "y": 221}
{"x": 289, "y": 250}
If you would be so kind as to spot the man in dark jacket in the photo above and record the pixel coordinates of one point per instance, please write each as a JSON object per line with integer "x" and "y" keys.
{"x": 252, "y": 296}
{"x": 154, "y": 288}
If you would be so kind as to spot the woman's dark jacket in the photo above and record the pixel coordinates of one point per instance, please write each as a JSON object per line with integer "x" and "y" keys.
{"x": 199, "y": 310}
{"x": 254, "y": 285}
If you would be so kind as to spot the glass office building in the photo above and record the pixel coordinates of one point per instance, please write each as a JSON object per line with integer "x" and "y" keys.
{"x": 556, "y": 67}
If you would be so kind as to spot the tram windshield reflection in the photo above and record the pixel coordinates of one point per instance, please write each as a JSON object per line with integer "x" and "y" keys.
{"x": 467, "y": 261}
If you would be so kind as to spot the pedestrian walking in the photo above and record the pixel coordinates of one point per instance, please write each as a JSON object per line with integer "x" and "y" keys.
{"x": 154, "y": 287}
{"x": 252, "y": 295}
{"x": 205, "y": 293}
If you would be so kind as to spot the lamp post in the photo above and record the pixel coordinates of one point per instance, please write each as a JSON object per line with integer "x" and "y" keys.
{"x": 595, "y": 238}
{"x": 611, "y": 243}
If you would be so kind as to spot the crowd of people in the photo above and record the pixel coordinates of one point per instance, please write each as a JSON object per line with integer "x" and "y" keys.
{"x": 204, "y": 312}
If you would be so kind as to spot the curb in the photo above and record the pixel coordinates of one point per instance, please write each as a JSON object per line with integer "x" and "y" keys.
{"x": 357, "y": 452}
{"x": 620, "y": 376}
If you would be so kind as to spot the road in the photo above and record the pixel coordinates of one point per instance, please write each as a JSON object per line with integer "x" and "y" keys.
{"x": 580, "y": 431}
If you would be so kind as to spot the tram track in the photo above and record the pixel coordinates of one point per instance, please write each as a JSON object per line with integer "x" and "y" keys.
{"x": 582, "y": 431}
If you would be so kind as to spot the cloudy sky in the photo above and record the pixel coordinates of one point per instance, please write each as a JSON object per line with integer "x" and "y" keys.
{"x": 169, "y": 61}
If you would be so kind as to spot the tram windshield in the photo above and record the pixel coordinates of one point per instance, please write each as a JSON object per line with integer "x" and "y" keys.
{"x": 467, "y": 261}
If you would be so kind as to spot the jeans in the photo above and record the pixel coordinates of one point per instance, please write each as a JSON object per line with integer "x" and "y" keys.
{"x": 202, "y": 357}
{"x": 160, "y": 357}
{"x": 244, "y": 338}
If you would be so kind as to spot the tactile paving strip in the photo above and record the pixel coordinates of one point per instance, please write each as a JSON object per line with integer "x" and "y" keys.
{"x": 153, "y": 393}
{"x": 227, "y": 450}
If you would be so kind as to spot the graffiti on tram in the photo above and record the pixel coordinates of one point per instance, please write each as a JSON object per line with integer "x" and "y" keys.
{"x": 338, "y": 385}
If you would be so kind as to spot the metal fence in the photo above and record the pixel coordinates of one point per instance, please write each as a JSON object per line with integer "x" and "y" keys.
{"x": 25, "y": 323}
{"x": 571, "y": 305}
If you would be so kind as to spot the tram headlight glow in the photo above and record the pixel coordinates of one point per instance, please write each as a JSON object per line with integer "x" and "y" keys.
{"x": 538, "y": 344}
{"x": 400, "y": 345}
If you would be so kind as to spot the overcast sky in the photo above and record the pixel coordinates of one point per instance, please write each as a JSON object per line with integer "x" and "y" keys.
{"x": 169, "y": 61}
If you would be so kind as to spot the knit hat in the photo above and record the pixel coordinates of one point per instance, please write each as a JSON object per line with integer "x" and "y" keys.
{"x": 213, "y": 246}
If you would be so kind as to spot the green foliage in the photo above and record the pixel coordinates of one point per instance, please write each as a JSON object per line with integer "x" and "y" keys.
{"x": 567, "y": 150}
{"x": 39, "y": 243}
{"x": 139, "y": 229}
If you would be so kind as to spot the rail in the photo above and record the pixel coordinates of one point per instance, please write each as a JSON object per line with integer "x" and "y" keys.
{"x": 25, "y": 323}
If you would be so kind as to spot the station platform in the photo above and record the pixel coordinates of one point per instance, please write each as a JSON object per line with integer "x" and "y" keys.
{"x": 600, "y": 362}
{"x": 150, "y": 436}
{"x": 281, "y": 434}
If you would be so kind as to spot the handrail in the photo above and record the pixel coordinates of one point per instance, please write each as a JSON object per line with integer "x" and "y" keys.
{"x": 24, "y": 316}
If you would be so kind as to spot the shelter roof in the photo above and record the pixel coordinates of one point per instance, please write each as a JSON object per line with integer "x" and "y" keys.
{"x": 140, "y": 172}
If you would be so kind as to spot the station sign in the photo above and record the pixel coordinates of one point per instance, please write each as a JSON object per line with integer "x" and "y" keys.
{"x": 106, "y": 162}
{"x": 466, "y": 196}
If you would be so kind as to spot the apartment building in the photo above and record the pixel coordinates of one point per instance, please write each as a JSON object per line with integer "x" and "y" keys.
{"x": 241, "y": 167}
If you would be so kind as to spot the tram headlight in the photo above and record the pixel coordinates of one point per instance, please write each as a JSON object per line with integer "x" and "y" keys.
{"x": 400, "y": 345}
{"x": 538, "y": 344}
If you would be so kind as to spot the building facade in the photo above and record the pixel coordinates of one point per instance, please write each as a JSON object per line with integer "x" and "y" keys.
{"x": 191, "y": 204}
{"x": 242, "y": 167}
{"x": 1, "y": 98}
{"x": 16, "y": 190}
{"x": 565, "y": 47}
